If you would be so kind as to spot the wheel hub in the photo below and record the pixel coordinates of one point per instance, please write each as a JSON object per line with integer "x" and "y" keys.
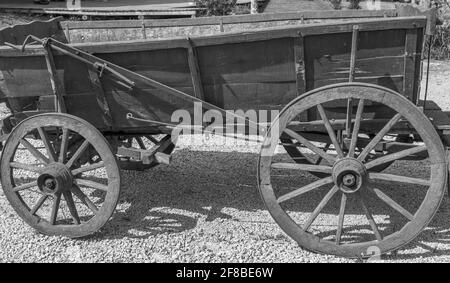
{"x": 349, "y": 175}
{"x": 56, "y": 178}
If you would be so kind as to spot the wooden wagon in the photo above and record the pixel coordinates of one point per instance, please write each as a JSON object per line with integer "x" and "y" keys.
{"x": 88, "y": 99}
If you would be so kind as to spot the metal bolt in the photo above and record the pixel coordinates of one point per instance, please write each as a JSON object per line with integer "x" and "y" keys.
{"x": 349, "y": 180}
{"x": 50, "y": 184}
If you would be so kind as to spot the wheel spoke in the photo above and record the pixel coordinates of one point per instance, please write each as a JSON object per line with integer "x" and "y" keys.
{"x": 55, "y": 209}
{"x": 341, "y": 219}
{"x": 152, "y": 139}
{"x": 348, "y": 120}
{"x": 25, "y": 186}
{"x": 72, "y": 208}
{"x": 140, "y": 143}
{"x": 319, "y": 160}
{"x": 36, "y": 153}
{"x": 92, "y": 184}
{"x": 320, "y": 207}
{"x": 305, "y": 189}
{"x": 311, "y": 146}
{"x": 389, "y": 201}
{"x": 356, "y": 127}
{"x": 395, "y": 156}
{"x": 26, "y": 167}
{"x": 88, "y": 168}
{"x": 397, "y": 178}
{"x": 38, "y": 204}
{"x": 370, "y": 219}
{"x": 303, "y": 167}
{"x": 78, "y": 153}
{"x": 84, "y": 199}
{"x": 64, "y": 144}
{"x": 330, "y": 130}
{"x": 379, "y": 137}
{"x": 47, "y": 144}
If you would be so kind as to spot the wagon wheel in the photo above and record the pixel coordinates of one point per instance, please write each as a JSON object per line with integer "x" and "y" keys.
{"x": 47, "y": 185}
{"x": 313, "y": 212}
{"x": 143, "y": 142}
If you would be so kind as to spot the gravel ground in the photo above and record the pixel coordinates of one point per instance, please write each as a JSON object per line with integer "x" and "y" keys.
{"x": 205, "y": 207}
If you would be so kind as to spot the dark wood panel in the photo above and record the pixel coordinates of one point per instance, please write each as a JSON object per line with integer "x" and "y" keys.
{"x": 248, "y": 75}
{"x": 330, "y": 68}
{"x": 379, "y": 58}
{"x": 169, "y": 66}
{"x": 25, "y": 76}
{"x": 17, "y": 33}
{"x": 246, "y": 96}
{"x": 263, "y": 61}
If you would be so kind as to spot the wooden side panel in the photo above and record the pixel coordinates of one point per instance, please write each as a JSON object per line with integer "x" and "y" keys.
{"x": 379, "y": 59}
{"x": 252, "y": 75}
{"x": 27, "y": 78}
{"x": 169, "y": 67}
{"x": 382, "y": 58}
{"x": 17, "y": 34}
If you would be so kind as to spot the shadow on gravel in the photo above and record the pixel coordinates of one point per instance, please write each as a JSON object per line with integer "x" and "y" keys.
{"x": 199, "y": 184}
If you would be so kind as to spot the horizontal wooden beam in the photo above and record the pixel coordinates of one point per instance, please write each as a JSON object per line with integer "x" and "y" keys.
{"x": 306, "y": 15}
{"x": 168, "y": 12}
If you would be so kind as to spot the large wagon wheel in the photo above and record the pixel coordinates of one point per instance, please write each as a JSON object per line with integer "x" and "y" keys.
{"x": 297, "y": 202}
{"x": 48, "y": 184}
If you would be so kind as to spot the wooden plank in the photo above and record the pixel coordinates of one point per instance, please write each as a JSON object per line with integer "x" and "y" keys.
{"x": 195, "y": 71}
{"x": 412, "y": 63}
{"x": 266, "y": 17}
{"x": 269, "y": 61}
{"x": 299, "y": 57}
{"x": 85, "y": 12}
{"x": 57, "y": 86}
{"x": 331, "y": 68}
{"x": 353, "y": 51}
{"x": 255, "y": 96}
{"x": 310, "y": 29}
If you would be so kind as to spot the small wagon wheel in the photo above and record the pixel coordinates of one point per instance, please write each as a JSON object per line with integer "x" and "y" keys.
{"x": 145, "y": 143}
{"x": 46, "y": 183}
{"x": 313, "y": 212}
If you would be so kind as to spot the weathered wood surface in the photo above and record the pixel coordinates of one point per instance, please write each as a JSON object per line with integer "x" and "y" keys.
{"x": 17, "y": 34}
{"x": 246, "y": 70}
{"x": 100, "y": 31}
{"x": 103, "y": 8}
